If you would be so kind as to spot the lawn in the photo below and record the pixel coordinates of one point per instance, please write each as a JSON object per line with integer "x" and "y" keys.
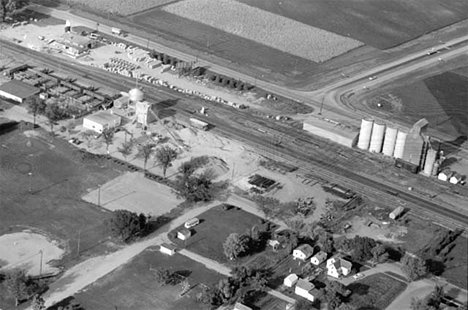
{"x": 456, "y": 264}
{"x": 380, "y": 24}
{"x": 216, "y": 225}
{"x": 375, "y": 292}
{"x": 133, "y": 285}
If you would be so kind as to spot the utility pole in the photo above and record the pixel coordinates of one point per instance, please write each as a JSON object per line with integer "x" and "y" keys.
{"x": 321, "y": 106}
{"x": 40, "y": 264}
{"x": 30, "y": 177}
{"x": 79, "y": 241}
{"x": 99, "y": 196}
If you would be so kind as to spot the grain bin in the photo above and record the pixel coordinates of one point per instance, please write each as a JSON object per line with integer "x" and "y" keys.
{"x": 390, "y": 140}
{"x": 378, "y": 133}
{"x": 400, "y": 144}
{"x": 430, "y": 161}
{"x": 365, "y": 133}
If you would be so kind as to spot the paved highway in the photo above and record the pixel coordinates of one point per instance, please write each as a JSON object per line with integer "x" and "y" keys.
{"x": 310, "y": 163}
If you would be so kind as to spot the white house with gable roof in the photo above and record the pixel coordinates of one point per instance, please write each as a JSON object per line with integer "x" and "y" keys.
{"x": 337, "y": 267}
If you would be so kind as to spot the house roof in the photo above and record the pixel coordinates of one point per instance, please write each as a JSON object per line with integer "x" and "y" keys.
{"x": 185, "y": 232}
{"x": 239, "y": 306}
{"x": 168, "y": 246}
{"x": 305, "y": 285}
{"x": 75, "y": 39}
{"x": 457, "y": 175}
{"x": 342, "y": 263}
{"x": 306, "y": 249}
{"x": 447, "y": 172}
{"x": 292, "y": 277}
{"x": 19, "y": 89}
{"x": 102, "y": 117}
{"x": 321, "y": 255}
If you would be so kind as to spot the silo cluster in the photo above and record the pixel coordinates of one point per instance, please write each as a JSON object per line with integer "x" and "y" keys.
{"x": 377, "y": 137}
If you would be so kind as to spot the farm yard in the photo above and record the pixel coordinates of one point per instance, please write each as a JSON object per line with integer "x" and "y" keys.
{"x": 380, "y": 24}
{"x": 266, "y": 28}
{"x": 133, "y": 286}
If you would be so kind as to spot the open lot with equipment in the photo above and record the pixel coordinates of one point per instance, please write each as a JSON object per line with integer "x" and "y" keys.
{"x": 375, "y": 292}
{"x": 134, "y": 285}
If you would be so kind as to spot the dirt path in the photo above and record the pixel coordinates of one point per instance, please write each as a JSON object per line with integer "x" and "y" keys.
{"x": 91, "y": 270}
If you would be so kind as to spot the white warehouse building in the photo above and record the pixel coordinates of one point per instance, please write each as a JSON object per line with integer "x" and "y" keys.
{"x": 101, "y": 120}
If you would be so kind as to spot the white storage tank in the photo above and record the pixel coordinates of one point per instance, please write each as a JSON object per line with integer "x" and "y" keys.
{"x": 390, "y": 140}
{"x": 430, "y": 161}
{"x": 365, "y": 133}
{"x": 136, "y": 95}
{"x": 400, "y": 144}
{"x": 378, "y": 133}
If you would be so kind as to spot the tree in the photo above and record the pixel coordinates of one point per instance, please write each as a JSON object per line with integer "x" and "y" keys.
{"x": 10, "y": 6}
{"x": 163, "y": 276}
{"x": 209, "y": 296}
{"x": 420, "y": 304}
{"x": 15, "y": 282}
{"x": 413, "y": 267}
{"x": 327, "y": 244}
{"x": 38, "y": 302}
{"x": 193, "y": 188}
{"x": 296, "y": 224}
{"x": 234, "y": 246}
{"x": 303, "y": 304}
{"x": 436, "y": 297}
{"x": 379, "y": 253}
{"x": 126, "y": 149}
{"x": 145, "y": 151}
{"x": 227, "y": 289}
{"x": 345, "y": 306}
{"x": 107, "y": 136}
{"x": 35, "y": 106}
{"x": 88, "y": 136}
{"x": 127, "y": 225}
{"x": 54, "y": 113}
{"x": 268, "y": 205}
{"x": 165, "y": 156}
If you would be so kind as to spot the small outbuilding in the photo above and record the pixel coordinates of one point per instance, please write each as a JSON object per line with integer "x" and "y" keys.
{"x": 456, "y": 178}
{"x": 18, "y": 91}
{"x": 101, "y": 120}
{"x": 290, "y": 280}
{"x": 184, "y": 234}
{"x": 168, "y": 249}
{"x": 303, "y": 252}
{"x": 445, "y": 175}
{"x": 396, "y": 213}
{"x": 318, "y": 258}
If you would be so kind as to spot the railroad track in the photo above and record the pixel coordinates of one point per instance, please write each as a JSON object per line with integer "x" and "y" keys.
{"x": 300, "y": 157}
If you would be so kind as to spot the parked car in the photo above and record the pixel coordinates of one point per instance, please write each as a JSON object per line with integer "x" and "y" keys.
{"x": 358, "y": 276}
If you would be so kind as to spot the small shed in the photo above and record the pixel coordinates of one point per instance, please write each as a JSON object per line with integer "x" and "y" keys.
{"x": 168, "y": 249}
{"x": 101, "y": 120}
{"x": 290, "y": 280}
{"x": 445, "y": 175}
{"x": 184, "y": 234}
{"x": 18, "y": 91}
{"x": 456, "y": 178}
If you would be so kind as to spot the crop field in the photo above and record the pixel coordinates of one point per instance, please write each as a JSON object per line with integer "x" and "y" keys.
{"x": 380, "y": 24}
{"x": 441, "y": 99}
{"x": 273, "y": 30}
{"x": 121, "y": 7}
{"x": 133, "y": 286}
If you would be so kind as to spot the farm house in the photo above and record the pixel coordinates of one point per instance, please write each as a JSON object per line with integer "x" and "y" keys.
{"x": 101, "y": 120}
{"x": 18, "y": 91}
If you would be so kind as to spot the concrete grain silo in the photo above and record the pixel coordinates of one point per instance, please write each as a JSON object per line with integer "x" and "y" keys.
{"x": 365, "y": 133}
{"x": 378, "y": 133}
{"x": 390, "y": 140}
{"x": 400, "y": 144}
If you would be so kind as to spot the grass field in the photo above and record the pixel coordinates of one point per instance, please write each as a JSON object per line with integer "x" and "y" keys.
{"x": 375, "y": 292}
{"x": 273, "y": 30}
{"x": 57, "y": 181}
{"x": 381, "y": 24}
{"x": 216, "y": 225}
{"x": 456, "y": 265}
{"x": 133, "y": 286}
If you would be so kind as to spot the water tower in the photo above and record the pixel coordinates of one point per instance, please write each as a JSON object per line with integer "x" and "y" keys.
{"x": 135, "y": 95}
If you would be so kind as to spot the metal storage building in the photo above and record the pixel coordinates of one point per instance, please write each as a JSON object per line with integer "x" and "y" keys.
{"x": 18, "y": 91}
{"x": 334, "y": 131}
{"x": 101, "y": 120}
